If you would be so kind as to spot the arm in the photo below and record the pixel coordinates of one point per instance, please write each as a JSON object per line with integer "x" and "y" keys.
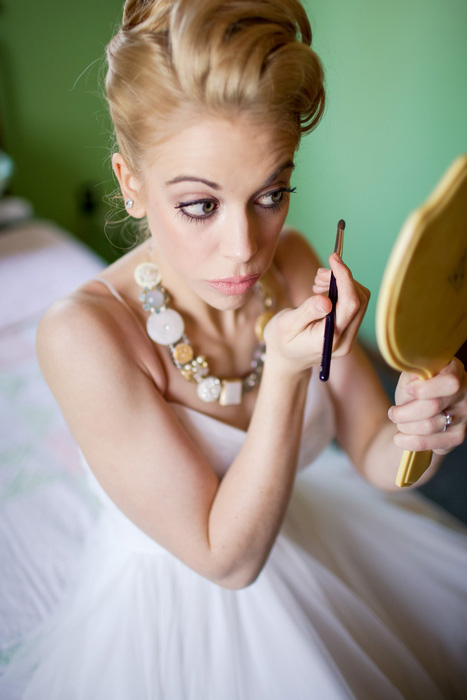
{"x": 147, "y": 463}
{"x": 415, "y": 422}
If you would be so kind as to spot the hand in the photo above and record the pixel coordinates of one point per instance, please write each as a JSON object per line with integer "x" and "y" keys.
{"x": 351, "y": 306}
{"x": 422, "y": 406}
{"x": 295, "y": 336}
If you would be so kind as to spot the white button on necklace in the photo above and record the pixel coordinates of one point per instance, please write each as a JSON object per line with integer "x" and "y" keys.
{"x": 166, "y": 326}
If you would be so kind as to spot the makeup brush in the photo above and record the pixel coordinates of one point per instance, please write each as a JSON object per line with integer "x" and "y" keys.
{"x": 330, "y": 318}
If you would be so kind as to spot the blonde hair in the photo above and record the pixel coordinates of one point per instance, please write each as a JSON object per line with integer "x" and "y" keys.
{"x": 173, "y": 58}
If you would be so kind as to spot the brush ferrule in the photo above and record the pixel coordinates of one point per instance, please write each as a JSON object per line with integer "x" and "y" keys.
{"x": 339, "y": 247}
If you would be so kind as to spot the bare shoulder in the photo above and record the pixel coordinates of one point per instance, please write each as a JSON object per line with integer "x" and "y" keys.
{"x": 84, "y": 333}
{"x": 297, "y": 262}
{"x": 76, "y": 324}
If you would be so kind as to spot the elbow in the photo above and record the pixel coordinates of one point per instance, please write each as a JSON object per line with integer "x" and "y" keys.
{"x": 236, "y": 582}
{"x": 237, "y": 576}
{"x": 234, "y": 566}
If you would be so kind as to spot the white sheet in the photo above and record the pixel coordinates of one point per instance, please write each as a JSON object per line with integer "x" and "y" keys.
{"x": 45, "y": 507}
{"x": 39, "y": 263}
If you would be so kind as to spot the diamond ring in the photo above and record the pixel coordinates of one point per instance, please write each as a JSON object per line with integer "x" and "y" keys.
{"x": 447, "y": 420}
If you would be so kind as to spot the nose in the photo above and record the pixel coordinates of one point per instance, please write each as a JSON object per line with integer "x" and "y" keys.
{"x": 239, "y": 240}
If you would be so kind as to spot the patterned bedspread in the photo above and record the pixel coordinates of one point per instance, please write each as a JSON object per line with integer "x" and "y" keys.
{"x": 45, "y": 506}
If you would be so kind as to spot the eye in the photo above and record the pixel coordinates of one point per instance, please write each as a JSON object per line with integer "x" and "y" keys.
{"x": 199, "y": 209}
{"x": 274, "y": 199}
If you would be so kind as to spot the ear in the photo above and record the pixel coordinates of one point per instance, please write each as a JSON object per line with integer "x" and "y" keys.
{"x": 128, "y": 185}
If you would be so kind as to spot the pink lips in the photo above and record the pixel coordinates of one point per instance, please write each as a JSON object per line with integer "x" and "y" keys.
{"x": 234, "y": 285}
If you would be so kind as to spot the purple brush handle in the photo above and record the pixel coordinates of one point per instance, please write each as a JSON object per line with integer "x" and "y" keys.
{"x": 329, "y": 332}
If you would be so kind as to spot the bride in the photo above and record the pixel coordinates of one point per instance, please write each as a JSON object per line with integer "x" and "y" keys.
{"x": 188, "y": 375}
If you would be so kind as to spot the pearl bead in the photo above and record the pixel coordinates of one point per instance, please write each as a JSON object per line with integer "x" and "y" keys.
{"x": 154, "y": 298}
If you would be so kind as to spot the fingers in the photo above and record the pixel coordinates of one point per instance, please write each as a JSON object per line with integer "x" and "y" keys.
{"x": 294, "y": 337}
{"x": 351, "y": 306}
{"x": 402, "y": 396}
{"x": 289, "y": 323}
{"x": 439, "y": 443}
{"x": 445, "y": 384}
{"x": 322, "y": 281}
{"x": 298, "y": 333}
{"x": 419, "y": 399}
{"x": 422, "y": 426}
{"x": 422, "y": 408}
{"x": 419, "y": 410}
{"x": 313, "y": 309}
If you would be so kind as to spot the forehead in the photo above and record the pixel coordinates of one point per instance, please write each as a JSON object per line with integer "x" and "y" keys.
{"x": 229, "y": 152}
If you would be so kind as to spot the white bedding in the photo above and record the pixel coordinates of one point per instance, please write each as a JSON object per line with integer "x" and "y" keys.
{"x": 45, "y": 506}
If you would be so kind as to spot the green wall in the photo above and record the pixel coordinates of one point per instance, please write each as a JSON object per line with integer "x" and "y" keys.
{"x": 54, "y": 118}
{"x": 396, "y": 117}
{"x": 396, "y": 75}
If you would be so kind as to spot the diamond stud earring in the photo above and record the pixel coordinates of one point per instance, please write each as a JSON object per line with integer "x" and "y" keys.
{"x": 129, "y": 203}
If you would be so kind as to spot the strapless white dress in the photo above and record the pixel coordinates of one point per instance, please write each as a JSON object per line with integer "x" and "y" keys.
{"x": 364, "y": 595}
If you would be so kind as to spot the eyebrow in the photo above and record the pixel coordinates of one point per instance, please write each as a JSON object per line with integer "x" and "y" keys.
{"x": 285, "y": 166}
{"x": 215, "y": 186}
{"x": 190, "y": 178}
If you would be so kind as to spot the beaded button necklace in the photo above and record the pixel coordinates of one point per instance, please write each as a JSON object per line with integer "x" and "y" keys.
{"x": 166, "y": 326}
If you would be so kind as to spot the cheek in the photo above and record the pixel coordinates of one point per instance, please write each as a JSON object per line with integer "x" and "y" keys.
{"x": 272, "y": 228}
{"x": 185, "y": 246}
{"x": 272, "y": 236}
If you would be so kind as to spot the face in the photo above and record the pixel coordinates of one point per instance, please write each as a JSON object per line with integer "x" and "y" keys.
{"x": 216, "y": 196}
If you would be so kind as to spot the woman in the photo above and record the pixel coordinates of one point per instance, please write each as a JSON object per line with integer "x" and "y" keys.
{"x": 210, "y": 574}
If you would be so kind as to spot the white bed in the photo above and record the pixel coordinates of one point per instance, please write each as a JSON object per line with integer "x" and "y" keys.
{"x": 45, "y": 506}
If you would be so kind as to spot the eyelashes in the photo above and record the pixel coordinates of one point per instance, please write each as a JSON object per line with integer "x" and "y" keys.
{"x": 276, "y": 204}
{"x": 199, "y": 210}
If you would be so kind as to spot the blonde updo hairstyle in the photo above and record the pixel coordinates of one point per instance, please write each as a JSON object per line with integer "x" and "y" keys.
{"x": 173, "y": 60}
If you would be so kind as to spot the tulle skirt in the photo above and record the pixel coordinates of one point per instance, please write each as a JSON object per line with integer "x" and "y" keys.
{"x": 364, "y": 595}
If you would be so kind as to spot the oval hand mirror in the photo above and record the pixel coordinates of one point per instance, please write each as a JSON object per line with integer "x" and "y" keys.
{"x": 421, "y": 315}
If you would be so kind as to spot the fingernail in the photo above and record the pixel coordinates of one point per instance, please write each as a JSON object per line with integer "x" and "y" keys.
{"x": 410, "y": 390}
{"x": 390, "y": 413}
